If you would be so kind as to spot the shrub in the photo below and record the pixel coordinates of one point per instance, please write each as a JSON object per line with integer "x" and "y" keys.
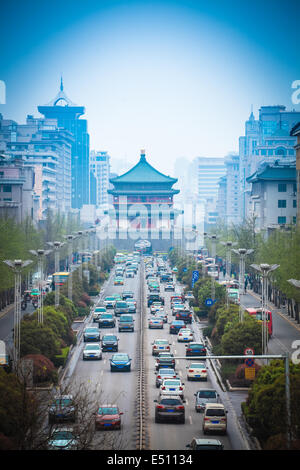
{"x": 43, "y": 368}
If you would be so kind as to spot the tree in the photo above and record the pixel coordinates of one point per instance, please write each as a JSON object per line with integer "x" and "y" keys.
{"x": 240, "y": 336}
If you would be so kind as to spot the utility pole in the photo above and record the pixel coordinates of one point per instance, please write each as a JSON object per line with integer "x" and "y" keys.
{"x": 16, "y": 266}
{"x": 40, "y": 254}
{"x": 264, "y": 269}
{"x": 242, "y": 253}
{"x": 56, "y": 245}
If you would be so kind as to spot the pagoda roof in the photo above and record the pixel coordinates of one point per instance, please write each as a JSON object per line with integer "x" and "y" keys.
{"x": 61, "y": 103}
{"x": 143, "y": 172}
{"x": 275, "y": 172}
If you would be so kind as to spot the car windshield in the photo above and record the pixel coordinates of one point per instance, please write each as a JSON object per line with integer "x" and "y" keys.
{"x": 108, "y": 411}
{"x": 196, "y": 346}
{"x": 215, "y": 412}
{"x": 109, "y": 338}
{"x": 172, "y": 383}
{"x": 207, "y": 394}
{"x": 110, "y": 298}
{"x": 120, "y": 357}
{"x": 63, "y": 401}
{"x": 197, "y": 366}
{"x": 125, "y": 318}
{"x": 170, "y": 401}
{"x": 166, "y": 372}
{"x": 161, "y": 341}
{"x": 100, "y": 309}
{"x": 92, "y": 346}
{"x": 106, "y": 315}
{"x": 91, "y": 330}
{"x": 121, "y": 304}
{"x": 62, "y": 435}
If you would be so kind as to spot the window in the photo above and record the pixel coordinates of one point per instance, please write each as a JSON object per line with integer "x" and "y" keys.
{"x": 281, "y": 220}
{"x": 294, "y": 220}
{"x": 7, "y": 188}
{"x": 282, "y": 187}
{"x": 281, "y": 203}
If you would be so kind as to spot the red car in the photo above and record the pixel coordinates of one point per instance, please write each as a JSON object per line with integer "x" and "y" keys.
{"x": 108, "y": 417}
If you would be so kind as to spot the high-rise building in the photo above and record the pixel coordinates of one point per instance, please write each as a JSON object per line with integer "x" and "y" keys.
{"x": 100, "y": 167}
{"x": 266, "y": 140}
{"x": 296, "y": 132}
{"x": 68, "y": 116}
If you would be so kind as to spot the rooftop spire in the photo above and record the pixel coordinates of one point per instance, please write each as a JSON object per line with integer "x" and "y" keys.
{"x": 61, "y": 84}
{"x": 143, "y": 155}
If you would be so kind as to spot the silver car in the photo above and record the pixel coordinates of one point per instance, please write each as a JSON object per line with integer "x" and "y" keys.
{"x": 205, "y": 395}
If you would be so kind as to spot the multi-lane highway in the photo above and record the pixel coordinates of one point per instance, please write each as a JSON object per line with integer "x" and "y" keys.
{"x": 134, "y": 392}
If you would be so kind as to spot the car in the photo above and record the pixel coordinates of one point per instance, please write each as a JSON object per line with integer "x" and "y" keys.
{"x": 165, "y": 360}
{"x": 214, "y": 418}
{"x": 164, "y": 373}
{"x": 121, "y": 307}
{"x": 172, "y": 387}
{"x": 119, "y": 281}
{"x": 195, "y": 349}
{"x": 129, "y": 273}
{"x": 109, "y": 343}
{"x": 109, "y": 302}
{"x": 169, "y": 288}
{"x": 91, "y": 334}
{"x": 127, "y": 295}
{"x": 92, "y": 351}
{"x": 197, "y": 371}
{"x": 163, "y": 315}
{"x": 185, "y": 335}
{"x": 108, "y": 417}
{"x": 131, "y": 307}
{"x": 107, "y": 320}
{"x": 184, "y": 315}
{"x": 169, "y": 408}
{"x": 62, "y": 409}
{"x": 203, "y": 396}
{"x": 155, "y": 322}
{"x": 120, "y": 362}
{"x": 62, "y": 438}
{"x": 97, "y": 312}
{"x": 175, "y": 326}
{"x": 189, "y": 295}
{"x": 160, "y": 345}
{"x": 155, "y": 307}
{"x": 154, "y": 297}
{"x": 176, "y": 307}
{"x": 126, "y": 322}
{"x": 205, "y": 444}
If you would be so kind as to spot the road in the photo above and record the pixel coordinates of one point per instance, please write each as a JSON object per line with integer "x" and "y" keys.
{"x": 123, "y": 388}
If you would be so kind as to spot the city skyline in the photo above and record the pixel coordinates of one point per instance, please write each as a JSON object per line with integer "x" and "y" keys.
{"x": 160, "y": 75}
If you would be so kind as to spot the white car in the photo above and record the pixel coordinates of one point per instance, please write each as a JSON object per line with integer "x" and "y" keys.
{"x": 97, "y": 313}
{"x": 160, "y": 345}
{"x": 172, "y": 387}
{"x": 197, "y": 371}
{"x": 163, "y": 315}
{"x": 155, "y": 322}
{"x": 109, "y": 302}
{"x": 185, "y": 335}
{"x": 92, "y": 351}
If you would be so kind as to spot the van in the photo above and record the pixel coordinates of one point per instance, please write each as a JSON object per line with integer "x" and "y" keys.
{"x": 126, "y": 322}
{"x": 214, "y": 419}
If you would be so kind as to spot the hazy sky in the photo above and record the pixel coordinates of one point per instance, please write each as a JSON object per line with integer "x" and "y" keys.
{"x": 177, "y": 78}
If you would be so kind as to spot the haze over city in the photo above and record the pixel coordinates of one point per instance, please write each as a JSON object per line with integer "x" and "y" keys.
{"x": 161, "y": 75}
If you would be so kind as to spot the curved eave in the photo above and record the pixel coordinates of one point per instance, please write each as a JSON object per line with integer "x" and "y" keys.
{"x": 150, "y": 192}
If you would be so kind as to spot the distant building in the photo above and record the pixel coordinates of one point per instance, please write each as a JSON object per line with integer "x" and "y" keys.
{"x": 68, "y": 116}
{"x": 296, "y": 132}
{"x": 272, "y": 200}
{"x": 46, "y": 148}
{"x": 100, "y": 167}
{"x": 17, "y": 198}
{"x": 266, "y": 140}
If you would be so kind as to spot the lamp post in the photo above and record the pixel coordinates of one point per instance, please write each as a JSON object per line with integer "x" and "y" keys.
{"x": 16, "y": 266}
{"x": 228, "y": 245}
{"x": 242, "y": 253}
{"x": 40, "y": 254}
{"x": 80, "y": 234}
{"x": 70, "y": 239}
{"x": 56, "y": 245}
{"x": 264, "y": 269}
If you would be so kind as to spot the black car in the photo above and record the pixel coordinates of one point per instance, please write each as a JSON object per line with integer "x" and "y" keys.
{"x": 62, "y": 409}
{"x": 175, "y": 326}
{"x": 106, "y": 320}
{"x": 155, "y": 297}
{"x": 184, "y": 315}
{"x": 195, "y": 349}
{"x": 109, "y": 343}
{"x": 127, "y": 295}
{"x": 169, "y": 408}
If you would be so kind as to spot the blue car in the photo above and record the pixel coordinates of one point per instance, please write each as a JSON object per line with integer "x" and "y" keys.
{"x": 176, "y": 325}
{"x": 120, "y": 362}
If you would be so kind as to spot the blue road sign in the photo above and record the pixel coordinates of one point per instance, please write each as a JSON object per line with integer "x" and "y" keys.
{"x": 209, "y": 302}
{"x": 195, "y": 277}
{"x": 249, "y": 362}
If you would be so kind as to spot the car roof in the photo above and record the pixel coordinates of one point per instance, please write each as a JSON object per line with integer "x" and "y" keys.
{"x": 207, "y": 441}
{"x": 214, "y": 405}
{"x": 163, "y": 397}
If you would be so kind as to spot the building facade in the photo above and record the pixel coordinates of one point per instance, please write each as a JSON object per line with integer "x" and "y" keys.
{"x": 296, "y": 132}
{"x": 100, "y": 167}
{"x": 67, "y": 115}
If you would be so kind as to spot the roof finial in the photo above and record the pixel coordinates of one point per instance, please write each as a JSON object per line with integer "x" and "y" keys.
{"x": 61, "y": 83}
{"x": 143, "y": 155}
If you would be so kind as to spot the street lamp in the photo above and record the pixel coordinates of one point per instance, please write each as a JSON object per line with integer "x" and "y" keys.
{"x": 56, "y": 246}
{"x": 16, "y": 266}
{"x": 264, "y": 269}
{"x": 70, "y": 239}
{"x": 40, "y": 254}
{"x": 228, "y": 245}
{"x": 242, "y": 253}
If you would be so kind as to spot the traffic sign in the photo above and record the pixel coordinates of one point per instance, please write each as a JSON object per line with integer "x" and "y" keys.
{"x": 195, "y": 277}
{"x": 249, "y": 362}
{"x": 249, "y": 352}
{"x": 250, "y": 373}
{"x": 209, "y": 302}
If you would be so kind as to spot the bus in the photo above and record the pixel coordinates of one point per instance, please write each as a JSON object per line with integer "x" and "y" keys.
{"x": 60, "y": 278}
{"x": 257, "y": 313}
{"x": 213, "y": 270}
